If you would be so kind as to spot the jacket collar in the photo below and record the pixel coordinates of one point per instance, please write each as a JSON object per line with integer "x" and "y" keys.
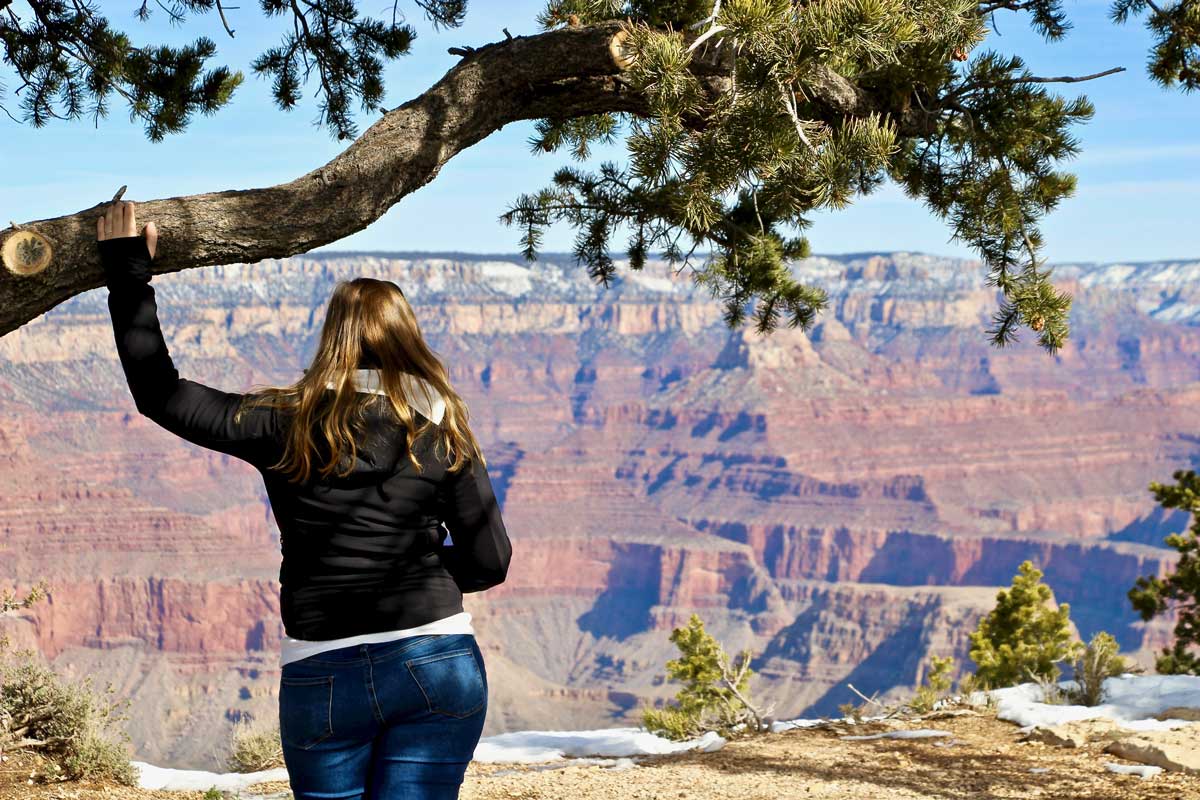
{"x": 422, "y": 395}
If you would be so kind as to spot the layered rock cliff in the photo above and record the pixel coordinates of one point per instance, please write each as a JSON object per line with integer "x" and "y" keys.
{"x": 844, "y": 502}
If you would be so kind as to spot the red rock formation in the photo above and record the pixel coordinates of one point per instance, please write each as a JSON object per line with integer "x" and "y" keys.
{"x": 842, "y": 503}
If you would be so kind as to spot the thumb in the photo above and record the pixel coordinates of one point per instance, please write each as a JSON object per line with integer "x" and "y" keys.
{"x": 151, "y": 232}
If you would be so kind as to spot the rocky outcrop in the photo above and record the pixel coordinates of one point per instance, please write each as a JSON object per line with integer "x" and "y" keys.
{"x": 1175, "y": 750}
{"x": 842, "y": 502}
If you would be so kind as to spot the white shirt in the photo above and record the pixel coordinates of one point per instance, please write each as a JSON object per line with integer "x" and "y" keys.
{"x": 296, "y": 649}
{"x": 422, "y": 395}
{"x": 425, "y": 398}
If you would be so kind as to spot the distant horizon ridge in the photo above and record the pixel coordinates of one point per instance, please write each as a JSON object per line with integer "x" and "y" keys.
{"x": 516, "y": 256}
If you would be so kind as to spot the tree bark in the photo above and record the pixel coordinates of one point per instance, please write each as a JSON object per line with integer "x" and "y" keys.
{"x": 564, "y": 73}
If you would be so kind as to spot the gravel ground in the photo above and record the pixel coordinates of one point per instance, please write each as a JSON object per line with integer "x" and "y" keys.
{"x": 983, "y": 759}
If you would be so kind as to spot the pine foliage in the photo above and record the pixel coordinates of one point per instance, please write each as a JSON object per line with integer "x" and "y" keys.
{"x": 724, "y": 169}
{"x": 1175, "y": 57}
{"x": 1179, "y": 590}
{"x": 70, "y": 60}
{"x": 737, "y": 175}
{"x": 1023, "y": 638}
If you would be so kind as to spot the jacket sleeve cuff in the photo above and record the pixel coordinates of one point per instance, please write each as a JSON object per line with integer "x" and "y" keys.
{"x": 125, "y": 259}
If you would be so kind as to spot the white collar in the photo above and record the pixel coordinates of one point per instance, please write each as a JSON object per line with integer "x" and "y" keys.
{"x": 422, "y": 395}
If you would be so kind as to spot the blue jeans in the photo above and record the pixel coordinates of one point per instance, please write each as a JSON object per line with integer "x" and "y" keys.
{"x": 397, "y": 720}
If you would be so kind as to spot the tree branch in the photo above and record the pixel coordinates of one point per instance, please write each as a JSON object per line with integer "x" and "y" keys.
{"x": 969, "y": 87}
{"x": 225, "y": 22}
{"x": 732, "y": 681}
{"x": 564, "y": 73}
{"x": 1007, "y": 5}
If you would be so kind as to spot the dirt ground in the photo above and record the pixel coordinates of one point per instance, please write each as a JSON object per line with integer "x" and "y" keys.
{"x": 984, "y": 759}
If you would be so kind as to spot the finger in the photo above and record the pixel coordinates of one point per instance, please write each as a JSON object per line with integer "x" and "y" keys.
{"x": 130, "y": 219}
{"x": 100, "y": 228}
{"x": 151, "y": 238}
{"x": 108, "y": 221}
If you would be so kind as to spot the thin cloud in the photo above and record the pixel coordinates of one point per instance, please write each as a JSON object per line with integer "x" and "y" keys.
{"x": 1142, "y": 188}
{"x": 1137, "y": 155}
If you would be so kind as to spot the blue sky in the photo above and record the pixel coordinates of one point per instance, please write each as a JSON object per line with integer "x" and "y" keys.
{"x": 1139, "y": 172}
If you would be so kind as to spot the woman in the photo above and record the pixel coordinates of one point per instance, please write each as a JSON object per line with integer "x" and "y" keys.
{"x": 383, "y": 690}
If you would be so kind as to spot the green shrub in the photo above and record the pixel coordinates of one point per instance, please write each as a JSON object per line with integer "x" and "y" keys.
{"x": 1022, "y": 638}
{"x": 67, "y": 723}
{"x": 10, "y": 602}
{"x": 714, "y": 694}
{"x": 1099, "y": 661}
{"x": 1052, "y": 693}
{"x": 256, "y": 747}
{"x": 1179, "y": 591}
{"x": 938, "y": 682}
{"x": 851, "y": 711}
{"x": 971, "y": 683}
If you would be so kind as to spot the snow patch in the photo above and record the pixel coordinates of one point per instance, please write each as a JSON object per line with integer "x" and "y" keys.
{"x": 1143, "y": 771}
{"x": 918, "y": 733}
{"x": 506, "y": 277}
{"x": 784, "y": 725}
{"x": 788, "y": 724}
{"x": 1176, "y": 312}
{"x": 197, "y": 780}
{"x": 531, "y": 747}
{"x": 1131, "y": 701}
{"x": 652, "y": 282}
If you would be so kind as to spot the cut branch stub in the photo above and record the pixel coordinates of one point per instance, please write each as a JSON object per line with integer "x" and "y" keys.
{"x": 622, "y": 54}
{"x": 26, "y": 252}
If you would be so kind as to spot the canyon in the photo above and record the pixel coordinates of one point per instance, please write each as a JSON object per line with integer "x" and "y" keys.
{"x": 843, "y": 502}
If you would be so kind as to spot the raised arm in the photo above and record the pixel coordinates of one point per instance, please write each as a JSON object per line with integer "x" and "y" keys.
{"x": 478, "y": 558}
{"x": 201, "y": 414}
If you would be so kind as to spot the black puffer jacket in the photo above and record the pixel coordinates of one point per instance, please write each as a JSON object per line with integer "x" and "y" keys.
{"x": 361, "y": 553}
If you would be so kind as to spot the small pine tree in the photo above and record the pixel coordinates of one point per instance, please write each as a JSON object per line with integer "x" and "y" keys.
{"x": 1179, "y": 590}
{"x": 1023, "y": 638}
{"x": 714, "y": 695}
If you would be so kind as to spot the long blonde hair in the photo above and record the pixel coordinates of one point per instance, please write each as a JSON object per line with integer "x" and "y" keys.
{"x": 368, "y": 321}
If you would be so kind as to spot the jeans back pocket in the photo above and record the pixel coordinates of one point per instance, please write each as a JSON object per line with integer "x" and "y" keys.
{"x": 305, "y": 710}
{"x": 451, "y": 682}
